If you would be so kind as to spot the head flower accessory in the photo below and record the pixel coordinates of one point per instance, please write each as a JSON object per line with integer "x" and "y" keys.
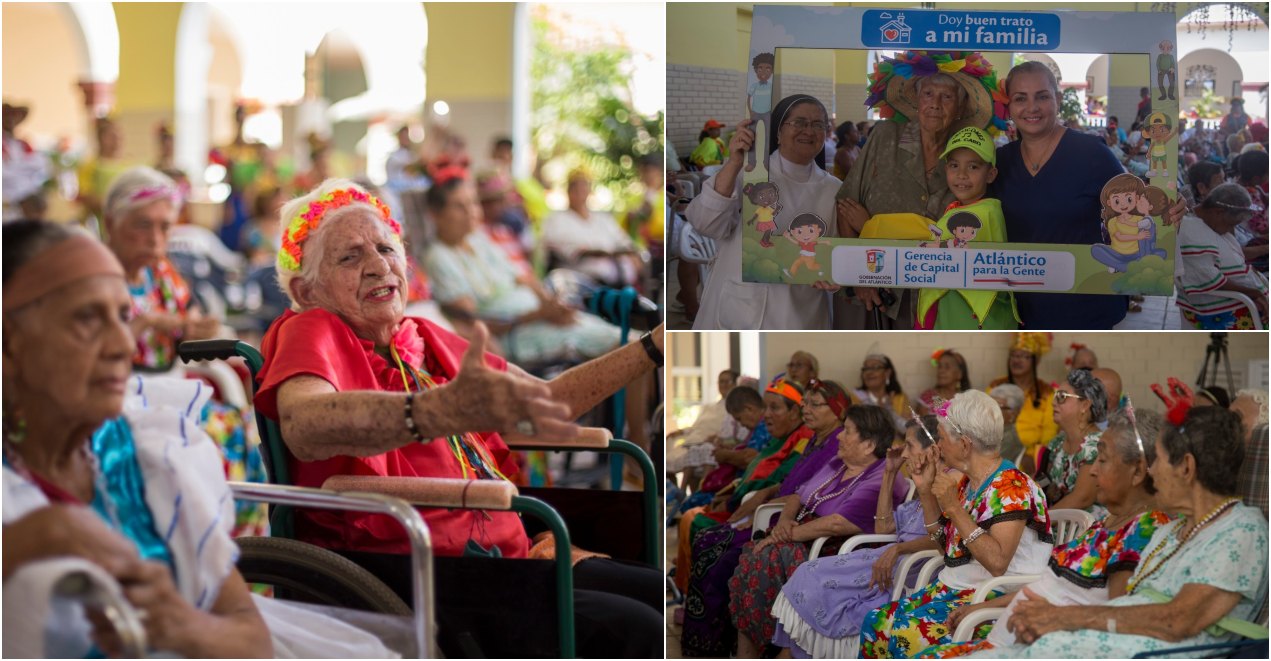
{"x": 1037, "y": 344}
{"x": 893, "y": 85}
{"x": 936, "y": 355}
{"x": 291, "y": 255}
{"x": 1073, "y": 350}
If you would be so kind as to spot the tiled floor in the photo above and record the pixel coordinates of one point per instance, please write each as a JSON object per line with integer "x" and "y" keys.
{"x": 1159, "y": 313}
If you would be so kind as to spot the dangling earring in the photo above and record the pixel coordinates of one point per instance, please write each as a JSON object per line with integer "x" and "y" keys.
{"x": 14, "y": 425}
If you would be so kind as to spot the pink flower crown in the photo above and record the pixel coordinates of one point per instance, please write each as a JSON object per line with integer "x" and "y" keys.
{"x": 291, "y": 255}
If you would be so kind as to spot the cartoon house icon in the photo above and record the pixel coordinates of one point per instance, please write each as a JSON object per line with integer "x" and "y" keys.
{"x": 894, "y": 31}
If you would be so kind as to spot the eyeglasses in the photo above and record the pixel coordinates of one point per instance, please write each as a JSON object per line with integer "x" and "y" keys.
{"x": 794, "y": 366}
{"x": 809, "y": 404}
{"x": 801, "y": 124}
{"x": 1061, "y": 396}
{"x": 876, "y": 368}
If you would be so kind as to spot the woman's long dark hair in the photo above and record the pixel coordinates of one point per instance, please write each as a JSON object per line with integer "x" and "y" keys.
{"x": 779, "y": 115}
{"x": 1033, "y": 386}
{"x": 965, "y": 383}
{"x": 893, "y": 383}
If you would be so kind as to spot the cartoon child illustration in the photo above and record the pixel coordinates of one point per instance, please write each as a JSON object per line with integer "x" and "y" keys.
{"x": 1159, "y": 130}
{"x": 1128, "y": 205}
{"x": 1166, "y": 67}
{"x": 766, "y": 197}
{"x": 806, "y": 231}
{"x": 759, "y": 96}
{"x": 963, "y": 225}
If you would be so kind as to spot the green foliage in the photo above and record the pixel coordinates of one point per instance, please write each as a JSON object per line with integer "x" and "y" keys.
{"x": 1148, "y": 276}
{"x": 1209, "y": 106}
{"x": 1070, "y": 106}
{"x": 583, "y": 115}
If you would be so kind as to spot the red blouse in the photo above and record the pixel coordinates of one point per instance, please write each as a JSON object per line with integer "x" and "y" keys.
{"x": 320, "y": 344}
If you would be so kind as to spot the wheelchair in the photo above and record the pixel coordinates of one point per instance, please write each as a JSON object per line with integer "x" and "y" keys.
{"x": 328, "y": 581}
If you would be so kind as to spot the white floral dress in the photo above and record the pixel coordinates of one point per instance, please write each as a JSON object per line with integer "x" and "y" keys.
{"x": 1229, "y": 554}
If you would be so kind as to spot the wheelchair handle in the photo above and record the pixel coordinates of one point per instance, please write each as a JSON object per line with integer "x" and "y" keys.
{"x": 207, "y": 350}
{"x": 431, "y": 491}
{"x": 589, "y": 438}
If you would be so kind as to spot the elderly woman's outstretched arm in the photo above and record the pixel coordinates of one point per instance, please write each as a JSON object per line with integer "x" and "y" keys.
{"x": 319, "y": 422}
{"x": 582, "y": 387}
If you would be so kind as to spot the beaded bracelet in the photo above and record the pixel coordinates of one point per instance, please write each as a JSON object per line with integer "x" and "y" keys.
{"x": 410, "y": 420}
{"x": 975, "y": 534}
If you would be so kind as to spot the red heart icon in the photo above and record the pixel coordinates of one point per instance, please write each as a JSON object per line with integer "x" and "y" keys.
{"x": 890, "y": 34}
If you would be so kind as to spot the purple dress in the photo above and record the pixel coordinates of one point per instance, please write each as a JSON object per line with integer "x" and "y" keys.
{"x": 707, "y": 629}
{"x": 826, "y": 599}
{"x": 760, "y": 574}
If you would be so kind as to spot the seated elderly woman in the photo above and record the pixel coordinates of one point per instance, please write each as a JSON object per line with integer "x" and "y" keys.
{"x": 474, "y": 278}
{"x": 84, "y": 481}
{"x": 360, "y": 389}
{"x": 988, "y": 518}
{"x": 819, "y": 610}
{"x": 140, "y": 208}
{"x": 1095, "y": 567}
{"x": 881, "y": 387}
{"x": 952, "y": 377}
{"x": 1080, "y": 404}
{"x": 1203, "y": 575}
{"x": 796, "y": 422}
{"x": 1010, "y": 399}
{"x": 839, "y": 499}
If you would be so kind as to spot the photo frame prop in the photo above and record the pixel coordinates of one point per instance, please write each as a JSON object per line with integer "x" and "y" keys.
{"x": 783, "y": 245}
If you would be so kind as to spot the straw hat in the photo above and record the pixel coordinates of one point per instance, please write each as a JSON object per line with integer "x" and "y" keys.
{"x": 894, "y": 86}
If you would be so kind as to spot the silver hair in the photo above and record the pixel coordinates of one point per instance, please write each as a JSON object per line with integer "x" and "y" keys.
{"x": 314, "y": 245}
{"x": 137, "y": 188}
{"x": 1013, "y": 394}
{"x": 1258, "y": 396}
{"x": 941, "y": 78}
{"x": 977, "y": 416}
{"x": 1122, "y": 430}
{"x": 1092, "y": 390}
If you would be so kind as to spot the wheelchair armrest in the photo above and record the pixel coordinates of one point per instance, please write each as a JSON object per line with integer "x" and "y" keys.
{"x": 1017, "y": 581}
{"x": 966, "y": 628}
{"x": 430, "y": 491}
{"x": 589, "y": 438}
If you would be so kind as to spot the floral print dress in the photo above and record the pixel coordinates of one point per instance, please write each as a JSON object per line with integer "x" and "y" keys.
{"x": 1079, "y": 576}
{"x": 1065, "y": 468}
{"x": 902, "y": 629}
{"x": 1229, "y": 554}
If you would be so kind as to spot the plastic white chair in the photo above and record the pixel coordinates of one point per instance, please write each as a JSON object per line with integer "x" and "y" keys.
{"x": 1235, "y": 296}
{"x": 765, "y": 516}
{"x": 966, "y": 628}
{"x": 901, "y": 588}
{"x": 1068, "y": 525}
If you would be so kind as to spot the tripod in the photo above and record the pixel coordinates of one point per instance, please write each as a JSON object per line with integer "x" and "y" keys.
{"x": 1217, "y": 349}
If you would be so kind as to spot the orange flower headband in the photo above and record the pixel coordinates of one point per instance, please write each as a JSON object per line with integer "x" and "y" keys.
{"x": 302, "y": 225}
{"x": 787, "y": 390}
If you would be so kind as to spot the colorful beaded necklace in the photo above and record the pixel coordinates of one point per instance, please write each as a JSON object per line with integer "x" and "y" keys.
{"x": 1182, "y": 539}
{"x": 473, "y": 457}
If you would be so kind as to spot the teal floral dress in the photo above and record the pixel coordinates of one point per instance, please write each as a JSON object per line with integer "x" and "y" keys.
{"x": 1229, "y": 554}
{"x": 902, "y": 629}
{"x": 1080, "y": 571}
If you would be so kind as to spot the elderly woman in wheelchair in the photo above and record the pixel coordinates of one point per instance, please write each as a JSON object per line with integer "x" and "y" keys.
{"x": 1096, "y": 566}
{"x": 1203, "y": 576}
{"x": 139, "y": 498}
{"x": 988, "y": 518}
{"x": 360, "y": 389}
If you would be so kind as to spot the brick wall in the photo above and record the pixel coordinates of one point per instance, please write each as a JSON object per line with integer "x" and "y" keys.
{"x": 696, "y": 94}
{"x": 1140, "y": 358}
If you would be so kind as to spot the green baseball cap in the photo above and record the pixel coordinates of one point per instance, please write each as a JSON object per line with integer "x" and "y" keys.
{"x": 977, "y": 140}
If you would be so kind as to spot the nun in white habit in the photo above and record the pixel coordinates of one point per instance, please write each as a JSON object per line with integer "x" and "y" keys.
{"x": 796, "y": 166}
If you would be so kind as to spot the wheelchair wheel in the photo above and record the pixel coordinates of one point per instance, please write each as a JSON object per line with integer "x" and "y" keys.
{"x": 306, "y": 573}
